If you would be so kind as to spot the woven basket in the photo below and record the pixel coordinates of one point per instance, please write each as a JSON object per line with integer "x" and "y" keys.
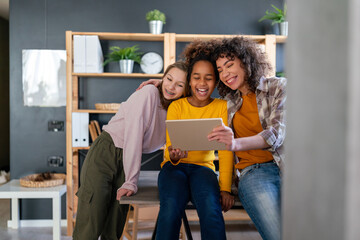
{"x": 55, "y": 180}
{"x": 107, "y": 106}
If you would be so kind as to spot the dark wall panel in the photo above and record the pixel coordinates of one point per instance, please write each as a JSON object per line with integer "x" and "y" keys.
{"x": 4, "y": 95}
{"x": 41, "y": 24}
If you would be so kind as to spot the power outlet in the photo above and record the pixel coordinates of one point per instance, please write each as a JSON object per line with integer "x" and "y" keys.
{"x": 55, "y": 161}
{"x": 55, "y": 126}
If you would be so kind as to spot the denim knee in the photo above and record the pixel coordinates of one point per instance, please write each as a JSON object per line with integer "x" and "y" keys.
{"x": 259, "y": 192}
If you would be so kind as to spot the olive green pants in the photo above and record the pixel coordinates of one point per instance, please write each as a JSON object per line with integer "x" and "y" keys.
{"x": 99, "y": 213}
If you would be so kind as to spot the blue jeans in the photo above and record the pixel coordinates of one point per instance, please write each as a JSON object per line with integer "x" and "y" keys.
{"x": 259, "y": 192}
{"x": 184, "y": 182}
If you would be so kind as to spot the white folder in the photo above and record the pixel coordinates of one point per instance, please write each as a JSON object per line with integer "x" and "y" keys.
{"x": 84, "y": 129}
{"x": 79, "y": 54}
{"x": 80, "y": 129}
{"x": 76, "y": 129}
{"x": 94, "y": 56}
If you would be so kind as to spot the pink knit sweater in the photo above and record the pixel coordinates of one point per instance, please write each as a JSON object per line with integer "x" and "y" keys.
{"x": 138, "y": 127}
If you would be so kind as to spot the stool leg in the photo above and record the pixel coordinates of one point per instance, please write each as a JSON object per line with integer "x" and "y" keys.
{"x": 182, "y": 232}
{"x": 155, "y": 229}
{"x": 187, "y": 227}
{"x": 126, "y": 224}
{"x": 135, "y": 221}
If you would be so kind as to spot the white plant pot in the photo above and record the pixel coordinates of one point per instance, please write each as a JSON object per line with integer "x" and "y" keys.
{"x": 284, "y": 28}
{"x": 155, "y": 26}
{"x": 126, "y": 66}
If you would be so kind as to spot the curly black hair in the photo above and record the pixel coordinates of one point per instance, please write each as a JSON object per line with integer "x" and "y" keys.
{"x": 199, "y": 50}
{"x": 253, "y": 60}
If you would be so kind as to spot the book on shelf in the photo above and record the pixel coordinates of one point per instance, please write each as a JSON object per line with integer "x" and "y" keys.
{"x": 94, "y": 129}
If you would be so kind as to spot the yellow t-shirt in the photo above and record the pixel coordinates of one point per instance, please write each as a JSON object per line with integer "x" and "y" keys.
{"x": 246, "y": 123}
{"x": 182, "y": 109}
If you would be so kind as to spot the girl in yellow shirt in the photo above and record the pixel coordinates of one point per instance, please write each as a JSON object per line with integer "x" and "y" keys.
{"x": 190, "y": 176}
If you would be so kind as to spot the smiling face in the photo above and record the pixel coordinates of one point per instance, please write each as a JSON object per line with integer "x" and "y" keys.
{"x": 202, "y": 83}
{"x": 173, "y": 85}
{"x": 232, "y": 74}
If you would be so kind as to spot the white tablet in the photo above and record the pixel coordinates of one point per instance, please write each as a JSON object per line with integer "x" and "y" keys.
{"x": 191, "y": 134}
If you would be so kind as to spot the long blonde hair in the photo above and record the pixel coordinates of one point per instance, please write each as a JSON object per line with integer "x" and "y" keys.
{"x": 183, "y": 67}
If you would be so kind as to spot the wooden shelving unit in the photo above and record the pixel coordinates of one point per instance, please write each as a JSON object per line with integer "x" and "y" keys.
{"x": 117, "y": 75}
{"x": 95, "y": 111}
{"x": 169, "y": 41}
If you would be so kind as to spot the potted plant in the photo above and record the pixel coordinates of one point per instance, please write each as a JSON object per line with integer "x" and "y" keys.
{"x": 126, "y": 57}
{"x": 278, "y": 16}
{"x": 156, "y": 20}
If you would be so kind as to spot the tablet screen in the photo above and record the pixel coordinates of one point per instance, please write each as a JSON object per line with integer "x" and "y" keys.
{"x": 191, "y": 134}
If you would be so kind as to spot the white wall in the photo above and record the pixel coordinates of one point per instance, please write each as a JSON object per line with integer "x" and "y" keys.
{"x": 320, "y": 192}
{"x": 352, "y": 208}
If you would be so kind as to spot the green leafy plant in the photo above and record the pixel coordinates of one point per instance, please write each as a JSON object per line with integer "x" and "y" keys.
{"x": 118, "y": 54}
{"x": 155, "y": 15}
{"x": 276, "y": 16}
{"x": 280, "y": 74}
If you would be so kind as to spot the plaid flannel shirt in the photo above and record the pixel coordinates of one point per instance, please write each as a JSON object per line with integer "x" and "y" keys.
{"x": 270, "y": 98}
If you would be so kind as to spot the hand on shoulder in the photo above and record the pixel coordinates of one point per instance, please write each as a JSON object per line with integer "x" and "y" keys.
{"x": 154, "y": 82}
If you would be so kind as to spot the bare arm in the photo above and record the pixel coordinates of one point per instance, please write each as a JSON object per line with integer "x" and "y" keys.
{"x": 225, "y": 135}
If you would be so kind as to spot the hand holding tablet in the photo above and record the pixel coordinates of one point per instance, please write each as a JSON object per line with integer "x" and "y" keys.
{"x": 176, "y": 154}
{"x": 191, "y": 134}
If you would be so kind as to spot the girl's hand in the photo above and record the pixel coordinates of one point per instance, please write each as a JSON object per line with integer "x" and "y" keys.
{"x": 155, "y": 82}
{"x": 225, "y": 135}
{"x": 176, "y": 154}
{"x": 123, "y": 192}
{"x": 227, "y": 200}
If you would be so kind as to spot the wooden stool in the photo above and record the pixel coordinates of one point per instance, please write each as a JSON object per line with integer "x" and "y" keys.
{"x": 143, "y": 217}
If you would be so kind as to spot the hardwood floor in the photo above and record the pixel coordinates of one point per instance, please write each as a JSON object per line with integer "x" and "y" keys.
{"x": 237, "y": 230}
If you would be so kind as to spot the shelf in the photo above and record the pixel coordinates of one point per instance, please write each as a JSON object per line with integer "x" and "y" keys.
{"x": 179, "y": 37}
{"x": 95, "y": 111}
{"x": 281, "y": 39}
{"x": 119, "y": 75}
{"x": 191, "y": 37}
{"x": 125, "y": 36}
{"x": 80, "y": 148}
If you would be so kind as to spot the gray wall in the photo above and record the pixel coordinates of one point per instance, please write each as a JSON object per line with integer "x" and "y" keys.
{"x": 321, "y": 185}
{"x": 4, "y": 94}
{"x": 41, "y": 24}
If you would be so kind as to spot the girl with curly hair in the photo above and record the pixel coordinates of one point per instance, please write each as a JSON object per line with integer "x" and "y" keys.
{"x": 190, "y": 176}
{"x": 256, "y": 129}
